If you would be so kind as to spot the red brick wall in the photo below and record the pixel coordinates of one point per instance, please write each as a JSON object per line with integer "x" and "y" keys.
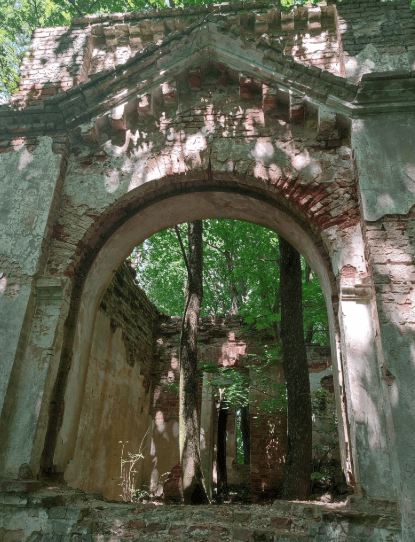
{"x": 268, "y": 449}
{"x": 226, "y": 342}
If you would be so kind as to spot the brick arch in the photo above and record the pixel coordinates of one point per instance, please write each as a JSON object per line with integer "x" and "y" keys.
{"x": 191, "y": 151}
{"x": 314, "y": 207}
{"x": 128, "y": 222}
{"x": 158, "y": 63}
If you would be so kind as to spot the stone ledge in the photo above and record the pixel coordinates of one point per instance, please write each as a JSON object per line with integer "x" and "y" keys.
{"x": 84, "y": 516}
{"x": 20, "y": 486}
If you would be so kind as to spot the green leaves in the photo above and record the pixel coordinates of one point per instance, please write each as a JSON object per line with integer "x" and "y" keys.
{"x": 241, "y": 276}
{"x": 9, "y": 65}
{"x": 250, "y": 384}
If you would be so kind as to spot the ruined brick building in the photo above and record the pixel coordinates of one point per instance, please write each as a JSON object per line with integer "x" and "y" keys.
{"x": 127, "y": 124}
{"x": 140, "y": 347}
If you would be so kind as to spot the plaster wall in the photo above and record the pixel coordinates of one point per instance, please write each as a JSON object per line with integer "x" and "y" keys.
{"x": 116, "y": 399}
{"x": 268, "y": 142}
{"x": 29, "y": 183}
{"x": 386, "y": 164}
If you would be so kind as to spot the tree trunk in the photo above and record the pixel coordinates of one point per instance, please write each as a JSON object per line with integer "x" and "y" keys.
{"x": 308, "y": 274}
{"x": 299, "y": 450}
{"x": 222, "y": 492}
{"x": 236, "y": 296}
{"x": 310, "y": 333}
{"x": 194, "y": 491}
{"x": 246, "y": 434}
{"x": 308, "y": 280}
{"x": 276, "y": 310}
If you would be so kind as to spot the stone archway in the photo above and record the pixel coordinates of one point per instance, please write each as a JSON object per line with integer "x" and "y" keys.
{"x": 213, "y": 201}
{"x": 157, "y": 217}
{"x": 207, "y": 104}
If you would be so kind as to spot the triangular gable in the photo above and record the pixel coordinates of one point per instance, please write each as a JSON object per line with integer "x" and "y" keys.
{"x": 262, "y": 60}
{"x": 210, "y": 38}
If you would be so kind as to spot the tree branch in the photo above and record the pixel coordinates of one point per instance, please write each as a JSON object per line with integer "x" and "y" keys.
{"x": 92, "y": 5}
{"x": 215, "y": 247}
{"x": 36, "y": 13}
{"x": 179, "y": 237}
{"x": 215, "y": 289}
{"x": 73, "y": 4}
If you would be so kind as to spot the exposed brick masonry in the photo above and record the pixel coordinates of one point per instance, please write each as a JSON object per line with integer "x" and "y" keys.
{"x": 388, "y": 26}
{"x": 228, "y": 342}
{"x": 130, "y": 309}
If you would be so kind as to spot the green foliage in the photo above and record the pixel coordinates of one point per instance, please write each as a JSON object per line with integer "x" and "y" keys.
{"x": 324, "y": 413}
{"x": 249, "y": 385}
{"x": 241, "y": 275}
{"x": 171, "y": 387}
{"x": 10, "y": 57}
{"x": 327, "y": 473}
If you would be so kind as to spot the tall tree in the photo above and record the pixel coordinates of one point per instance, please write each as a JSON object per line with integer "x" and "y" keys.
{"x": 299, "y": 450}
{"x": 194, "y": 491}
{"x": 246, "y": 434}
{"x": 222, "y": 487}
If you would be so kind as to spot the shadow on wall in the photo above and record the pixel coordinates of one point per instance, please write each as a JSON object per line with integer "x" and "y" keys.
{"x": 224, "y": 343}
{"x": 393, "y": 263}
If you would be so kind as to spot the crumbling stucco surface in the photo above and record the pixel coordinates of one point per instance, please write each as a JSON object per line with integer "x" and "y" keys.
{"x": 233, "y": 111}
{"x": 386, "y": 163}
{"x": 28, "y": 181}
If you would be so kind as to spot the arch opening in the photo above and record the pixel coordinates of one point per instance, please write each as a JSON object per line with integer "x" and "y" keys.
{"x": 164, "y": 212}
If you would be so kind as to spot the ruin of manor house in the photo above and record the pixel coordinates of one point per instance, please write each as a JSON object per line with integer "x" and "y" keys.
{"x": 125, "y": 124}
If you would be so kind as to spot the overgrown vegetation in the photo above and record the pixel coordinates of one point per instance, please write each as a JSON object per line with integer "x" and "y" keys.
{"x": 128, "y": 472}
{"x": 240, "y": 276}
{"x": 327, "y": 476}
{"x": 238, "y": 384}
{"x": 128, "y": 465}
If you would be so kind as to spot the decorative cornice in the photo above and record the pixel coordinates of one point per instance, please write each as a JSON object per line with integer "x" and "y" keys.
{"x": 360, "y": 292}
{"x": 262, "y": 59}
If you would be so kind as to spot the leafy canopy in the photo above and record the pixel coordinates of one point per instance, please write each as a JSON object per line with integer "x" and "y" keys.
{"x": 240, "y": 274}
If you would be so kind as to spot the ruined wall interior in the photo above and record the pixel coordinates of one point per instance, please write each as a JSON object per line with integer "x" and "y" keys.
{"x": 226, "y": 343}
{"x": 126, "y": 124}
{"x": 136, "y": 349}
{"x": 117, "y": 389}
